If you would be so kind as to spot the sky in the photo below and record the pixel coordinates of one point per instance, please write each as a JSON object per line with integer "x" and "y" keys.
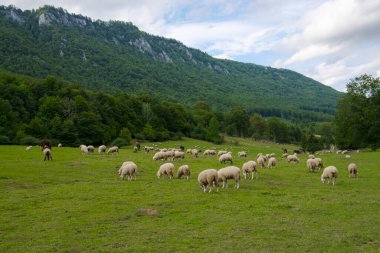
{"x": 330, "y": 41}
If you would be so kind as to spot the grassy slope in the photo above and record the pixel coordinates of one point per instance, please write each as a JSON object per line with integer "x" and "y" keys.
{"x": 77, "y": 203}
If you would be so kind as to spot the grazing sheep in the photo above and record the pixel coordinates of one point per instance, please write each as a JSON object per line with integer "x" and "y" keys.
{"x": 60, "y": 145}
{"x": 348, "y": 156}
{"x": 29, "y": 148}
{"x": 261, "y": 161}
{"x": 242, "y": 154}
{"x": 147, "y": 149}
{"x": 135, "y": 149}
{"x": 292, "y": 158}
{"x": 102, "y": 149}
{"x": 129, "y": 170}
{"x": 47, "y": 154}
{"x": 83, "y": 149}
{"x": 272, "y": 162}
{"x": 345, "y": 152}
{"x": 209, "y": 152}
{"x": 311, "y": 156}
{"x": 225, "y": 157}
{"x": 166, "y": 169}
{"x": 179, "y": 155}
{"x": 222, "y": 152}
{"x": 250, "y": 167}
{"x": 113, "y": 149}
{"x": 188, "y": 151}
{"x": 352, "y": 170}
{"x": 90, "y": 149}
{"x": 170, "y": 154}
{"x": 311, "y": 164}
{"x": 184, "y": 170}
{"x": 45, "y": 144}
{"x": 272, "y": 155}
{"x": 208, "y": 177}
{"x": 229, "y": 172}
{"x": 195, "y": 152}
{"x": 330, "y": 172}
{"x": 284, "y": 155}
{"x": 318, "y": 162}
{"x": 160, "y": 156}
{"x": 259, "y": 154}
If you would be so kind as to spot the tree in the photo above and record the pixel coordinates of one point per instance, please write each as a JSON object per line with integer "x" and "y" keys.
{"x": 358, "y": 114}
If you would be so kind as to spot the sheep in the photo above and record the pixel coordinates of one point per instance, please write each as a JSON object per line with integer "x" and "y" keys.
{"x": 318, "y": 162}
{"x": 170, "y": 154}
{"x": 259, "y": 154}
{"x": 330, "y": 172}
{"x": 166, "y": 169}
{"x": 345, "y": 152}
{"x": 60, "y": 145}
{"x": 208, "y": 177}
{"x": 209, "y": 152}
{"x": 47, "y": 154}
{"x": 261, "y": 161}
{"x": 284, "y": 155}
{"x": 90, "y": 149}
{"x": 352, "y": 170}
{"x": 184, "y": 170}
{"x": 160, "y": 156}
{"x": 292, "y": 158}
{"x": 222, "y": 152}
{"x": 311, "y": 164}
{"x": 194, "y": 152}
{"x": 227, "y": 173}
{"x": 45, "y": 144}
{"x": 272, "y": 155}
{"x": 147, "y": 149}
{"x": 348, "y": 156}
{"x": 311, "y": 156}
{"x": 113, "y": 149}
{"x": 135, "y": 149}
{"x": 225, "y": 157}
{"x": 28, "y": 148}
{"x": 242, "y": 154}
{"x": 250, "y": 167}
{"x": 179, "y": 155}
{"x": 272, "y": 162}
{"x": 83, "y": 149}
{"x": 102, "y": 149}
{"x": 129, "y": 170}
{"x": 188, "y": 151}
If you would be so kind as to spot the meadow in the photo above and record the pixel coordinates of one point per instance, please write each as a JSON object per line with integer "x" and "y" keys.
{"x": 77, "y": 203}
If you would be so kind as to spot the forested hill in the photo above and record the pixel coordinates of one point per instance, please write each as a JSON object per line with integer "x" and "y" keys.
{"x": 116, "y": 56}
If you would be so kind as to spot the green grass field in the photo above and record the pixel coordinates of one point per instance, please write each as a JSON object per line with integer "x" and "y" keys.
{"x": 78, "y": 203}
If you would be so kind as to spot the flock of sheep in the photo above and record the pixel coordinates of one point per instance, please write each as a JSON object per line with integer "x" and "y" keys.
{"x": 210, "y": 178}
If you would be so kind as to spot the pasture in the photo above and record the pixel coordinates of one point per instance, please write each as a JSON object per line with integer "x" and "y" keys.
{"x": 77, "y": 203}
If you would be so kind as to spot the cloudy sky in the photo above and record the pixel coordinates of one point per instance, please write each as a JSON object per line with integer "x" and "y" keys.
{"x": 328, "y": 40}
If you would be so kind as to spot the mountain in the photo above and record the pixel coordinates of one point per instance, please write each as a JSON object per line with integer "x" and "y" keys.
{"x": 116, "y": 56}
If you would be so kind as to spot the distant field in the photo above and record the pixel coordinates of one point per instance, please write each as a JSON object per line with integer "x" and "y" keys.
{"x": 78, "y": 203}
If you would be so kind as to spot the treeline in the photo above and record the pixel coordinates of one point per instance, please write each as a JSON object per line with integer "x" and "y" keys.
{"x": 32, "y": 109}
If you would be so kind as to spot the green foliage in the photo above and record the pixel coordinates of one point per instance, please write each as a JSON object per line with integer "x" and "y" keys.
{"x": 357, "y": 118}
{"x": 116, "y": 57}
{"x": 120, "y": 142}
{"x": 29, "y": 140}
{"x": 126, "y": 135}
{"x": 4, "y": 140}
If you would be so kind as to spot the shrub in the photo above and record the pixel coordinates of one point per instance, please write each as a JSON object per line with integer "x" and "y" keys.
{"x": 120, "y": 142}
{"x": 4, "y": 140}
{"x": 29, "y": 140}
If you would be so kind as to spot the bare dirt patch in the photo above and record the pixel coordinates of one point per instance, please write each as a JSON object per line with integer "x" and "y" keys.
{"x": 147, "y": 211}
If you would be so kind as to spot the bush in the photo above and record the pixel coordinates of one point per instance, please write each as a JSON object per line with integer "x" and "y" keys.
{"x": 120, "y": 142}
{"x": 4, "y": 140}
{"x": 29, "y": 140}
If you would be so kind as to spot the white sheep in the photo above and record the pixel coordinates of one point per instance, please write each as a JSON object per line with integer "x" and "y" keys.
{"x": 195, "y": 152}
{"x": 272, "y": 162}
{"x": 284, "y": 155}
{"x": 261, "y": 161}
{"x": 319, "y": 162}
{"x": 311, "y": 164}
{"x": 83, "y": 149}
{"x": 242, "y": 154}
{"x": 47, "y": 154}
{"x": 348, "y": 156}
{"x": 225, "y": 157}
{"x": 209, "y": 178}
{"x": 352, "y": 170}
{"x": 113, "y": 149}
{"x": 259, "y": 154}
{"x": 209, "y": 152}
{"x": 147, "y": 149}
{"x": 166, "y": 169}
{"x": 29, "y": 148}
{"x": 292, "y": 158}
{"x": 135, "y": 149}
{"x": 184, "y": 170}
{"x": 250, "y": 167}
{"x": 227, "y": 173}
{"x": 179, "y": 155}
{"x": 102, "y": 149}
{"x": 330, "y": 172}
{"x": 160, "y": 156}
{"x": 60, "y": 145}
{"x": 129, "y": 170}
{"x": 90, "y": 149}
